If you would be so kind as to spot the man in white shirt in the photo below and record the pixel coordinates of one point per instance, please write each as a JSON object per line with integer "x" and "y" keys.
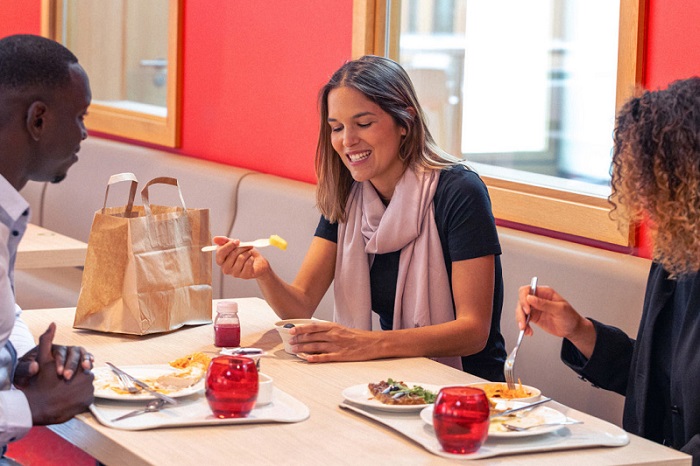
{"x": 44, "y": 96}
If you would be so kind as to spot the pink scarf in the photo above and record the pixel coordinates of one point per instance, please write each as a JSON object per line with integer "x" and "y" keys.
{"x": 423, "y": 295}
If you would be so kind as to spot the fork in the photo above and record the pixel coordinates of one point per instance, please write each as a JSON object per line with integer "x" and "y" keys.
{"x": 510, "y": 362}
{"x": 546, "y": 424}
{"x": 126, "y": 383}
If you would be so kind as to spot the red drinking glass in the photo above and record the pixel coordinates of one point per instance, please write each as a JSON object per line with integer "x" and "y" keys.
{"x": 461, "y": 419}
{"x": 231, "y": 386}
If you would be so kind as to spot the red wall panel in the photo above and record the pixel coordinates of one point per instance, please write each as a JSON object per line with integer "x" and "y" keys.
{"x": 20, "y": 17}
{"x": 672, "y": 42}
{"x": 252, "y": 73}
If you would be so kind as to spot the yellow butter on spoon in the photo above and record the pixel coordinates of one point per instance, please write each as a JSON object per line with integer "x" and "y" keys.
{"x": 278, "y": 242}
{"x": 273, "y": 240}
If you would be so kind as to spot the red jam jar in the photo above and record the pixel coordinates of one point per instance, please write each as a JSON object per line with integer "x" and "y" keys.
{"x": 227, "y": 326}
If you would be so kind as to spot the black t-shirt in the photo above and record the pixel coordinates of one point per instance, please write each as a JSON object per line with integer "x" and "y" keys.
{"x": 467, "y": 230}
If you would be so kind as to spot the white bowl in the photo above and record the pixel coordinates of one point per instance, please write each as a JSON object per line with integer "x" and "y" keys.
{"x": 284, "y": 332}
{"x": 265, "y": 387}
{"x": 533, "y": 393}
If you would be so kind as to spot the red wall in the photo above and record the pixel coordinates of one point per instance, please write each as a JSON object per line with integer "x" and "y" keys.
{"x": 252, "y": 73}
{"x": 672, "y": 42}
{"x": 20, "y": 17}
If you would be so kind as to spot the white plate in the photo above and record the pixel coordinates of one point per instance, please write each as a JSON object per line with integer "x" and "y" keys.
{"x": 360, "y": 394}
{"x": 105, "y": 378}
{"x": 195, "y": 411}
{"x": 538, "y": 415}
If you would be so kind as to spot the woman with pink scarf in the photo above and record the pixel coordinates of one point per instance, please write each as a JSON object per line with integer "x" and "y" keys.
{"x": 406, "y": 232}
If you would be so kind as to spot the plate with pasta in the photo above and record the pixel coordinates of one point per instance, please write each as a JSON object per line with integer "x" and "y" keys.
{"x": 181, "y": 377}
{"x": 539, "y": 420}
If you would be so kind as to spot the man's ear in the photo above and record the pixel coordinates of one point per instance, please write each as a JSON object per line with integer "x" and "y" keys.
{"x": 35, "y": 119}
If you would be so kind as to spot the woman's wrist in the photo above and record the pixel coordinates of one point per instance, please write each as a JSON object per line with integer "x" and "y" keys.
{"x": 584, "y": 336}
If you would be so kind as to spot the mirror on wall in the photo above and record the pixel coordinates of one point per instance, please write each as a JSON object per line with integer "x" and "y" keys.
{"x": 131, "y": 52}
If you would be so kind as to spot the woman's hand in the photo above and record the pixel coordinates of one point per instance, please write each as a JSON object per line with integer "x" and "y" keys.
{"x": 328, "y": 341}
{"x": 551, "y": 312}
{"x": 240, "y": 262}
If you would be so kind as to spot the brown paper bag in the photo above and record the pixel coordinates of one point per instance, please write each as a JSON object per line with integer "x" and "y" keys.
{"x": 144, "y": 270}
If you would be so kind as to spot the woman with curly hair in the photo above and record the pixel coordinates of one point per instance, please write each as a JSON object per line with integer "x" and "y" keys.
{"x": 406, "y": 232}
{"x": 655, "y": 177}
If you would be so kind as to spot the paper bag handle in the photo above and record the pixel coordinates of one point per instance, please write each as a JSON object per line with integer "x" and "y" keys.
{"x": 160, "y": 180}
{"x": 118, "y": 178}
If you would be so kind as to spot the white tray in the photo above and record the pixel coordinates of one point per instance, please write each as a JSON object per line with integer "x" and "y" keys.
{"x": 194, "y": 411}
{"x": 566, "y": 438}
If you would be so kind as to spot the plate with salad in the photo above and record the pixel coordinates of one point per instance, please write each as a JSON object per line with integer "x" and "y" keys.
{"x": 392, "y": 395}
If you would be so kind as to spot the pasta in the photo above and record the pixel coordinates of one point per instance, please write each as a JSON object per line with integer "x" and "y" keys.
{"x": 194, "y": 359}
{"x": 502, "y": 392}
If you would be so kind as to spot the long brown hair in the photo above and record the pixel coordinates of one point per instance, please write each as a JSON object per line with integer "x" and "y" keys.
{"x": 387, "y": 84}
{"x": 656, "y": 171}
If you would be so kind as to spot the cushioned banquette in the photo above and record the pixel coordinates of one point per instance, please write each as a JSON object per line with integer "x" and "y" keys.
{"x": 245, "y": 204}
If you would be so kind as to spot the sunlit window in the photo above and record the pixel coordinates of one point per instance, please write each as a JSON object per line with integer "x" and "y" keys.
{"x": 525, "y": 90}
{"x": 522, "y": 85}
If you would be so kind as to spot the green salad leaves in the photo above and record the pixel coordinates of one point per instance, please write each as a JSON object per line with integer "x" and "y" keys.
{"x": 398, "y": 389}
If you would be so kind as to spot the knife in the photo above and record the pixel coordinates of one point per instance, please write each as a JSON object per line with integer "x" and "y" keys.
{"x": 247, "y": 351}
{"x": 528, "y": 406}
{"x": 143, "y": 385}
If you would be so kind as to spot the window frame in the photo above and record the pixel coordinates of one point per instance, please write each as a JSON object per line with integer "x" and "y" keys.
{"x": 547, "y": 208}
{"x": 130, "y": 124}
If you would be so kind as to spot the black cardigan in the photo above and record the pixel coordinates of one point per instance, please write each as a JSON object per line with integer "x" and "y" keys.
{"x": 623, "y": 365}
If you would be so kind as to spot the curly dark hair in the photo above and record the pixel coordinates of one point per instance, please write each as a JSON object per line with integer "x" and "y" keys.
{"x": 33, "y": 61}
{"x": 656, "y": 171}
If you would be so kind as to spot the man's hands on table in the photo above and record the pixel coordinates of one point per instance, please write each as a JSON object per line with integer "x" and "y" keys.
{"x": 57, "y": 380}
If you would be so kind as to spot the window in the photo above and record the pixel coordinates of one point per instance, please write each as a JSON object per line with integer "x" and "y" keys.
{"x": 131, "y": 52}
{"x": 526, "y": 91}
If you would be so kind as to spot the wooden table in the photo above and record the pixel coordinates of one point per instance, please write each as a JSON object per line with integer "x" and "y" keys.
{"x": 329, "y": 436}
{"x": 43, "y": 248}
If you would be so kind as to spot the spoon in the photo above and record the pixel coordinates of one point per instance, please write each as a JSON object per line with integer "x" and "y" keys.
{"x": 151, "y": 407}
{"x": 273, "y": 240}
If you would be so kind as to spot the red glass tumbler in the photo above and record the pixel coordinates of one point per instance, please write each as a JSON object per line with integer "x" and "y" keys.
{"x": 231, "y": 386}
{"x": 461, "y": 419}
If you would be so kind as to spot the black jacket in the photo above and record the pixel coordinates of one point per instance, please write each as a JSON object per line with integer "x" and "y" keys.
{"x": 623, "y": 365}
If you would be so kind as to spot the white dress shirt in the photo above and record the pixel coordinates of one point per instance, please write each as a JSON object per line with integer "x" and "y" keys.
{"x": 15, "y": 415}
